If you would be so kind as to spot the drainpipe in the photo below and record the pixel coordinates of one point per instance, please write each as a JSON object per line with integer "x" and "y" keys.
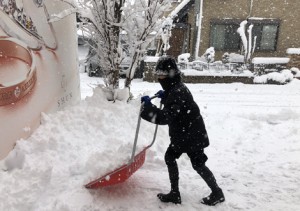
{"x": 250, "y": 9}
{"x": 198, "y": 26}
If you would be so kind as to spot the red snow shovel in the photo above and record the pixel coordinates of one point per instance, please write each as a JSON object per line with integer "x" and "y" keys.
{"x": 124, "y": 172}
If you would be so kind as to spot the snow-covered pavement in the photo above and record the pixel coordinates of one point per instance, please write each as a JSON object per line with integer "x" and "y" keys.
{"x": 254, "y": 153}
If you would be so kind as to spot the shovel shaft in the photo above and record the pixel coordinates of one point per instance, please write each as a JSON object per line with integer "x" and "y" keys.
{"x": 155, "y": 131}
{"x": 138, "y": 129}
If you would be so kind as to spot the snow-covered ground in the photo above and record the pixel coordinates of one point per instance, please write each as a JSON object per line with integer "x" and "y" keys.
{"x": 254, "y": 153}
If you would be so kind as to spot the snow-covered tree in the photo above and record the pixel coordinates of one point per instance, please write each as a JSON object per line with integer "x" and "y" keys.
{"x": 108, "y": 20}
{"x": 102, "y": 20}
{"x": 166, "y": 33}
{"x": 140, "y": 19}
{"x": 248, "y": 42}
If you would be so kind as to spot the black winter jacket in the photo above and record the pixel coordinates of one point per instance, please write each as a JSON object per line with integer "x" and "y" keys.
{"x": 182, "y": 114}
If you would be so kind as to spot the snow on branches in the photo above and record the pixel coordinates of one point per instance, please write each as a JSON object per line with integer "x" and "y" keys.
{"x": 118, "y": 30}
{"x": 141, "y": 20}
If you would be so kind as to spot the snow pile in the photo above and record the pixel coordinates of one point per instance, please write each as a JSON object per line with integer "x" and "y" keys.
{"x": 71, "y": 147}
{"x": 285, "y": 76}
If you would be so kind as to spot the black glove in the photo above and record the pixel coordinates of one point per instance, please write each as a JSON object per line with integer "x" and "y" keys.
{"x": 146, "y": 100}
{"x": 160, "y": 94}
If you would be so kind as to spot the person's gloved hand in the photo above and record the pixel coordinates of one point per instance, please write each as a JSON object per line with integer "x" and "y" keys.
{"x": 146, "y": 100}
{"x": 160, "y": 94}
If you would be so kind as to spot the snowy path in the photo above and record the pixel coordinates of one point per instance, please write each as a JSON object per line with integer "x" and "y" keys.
{"x": 255, "y": 147}
{"x": 254, "y": 153}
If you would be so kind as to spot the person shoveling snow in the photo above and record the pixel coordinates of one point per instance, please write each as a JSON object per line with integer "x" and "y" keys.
{"x": 186, "y": 129}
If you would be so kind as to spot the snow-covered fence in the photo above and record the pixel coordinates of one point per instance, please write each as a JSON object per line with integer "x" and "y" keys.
{"x": 215, "y": 66}
{"x": 199, "y": 65}
{"x": 261, "y": 65}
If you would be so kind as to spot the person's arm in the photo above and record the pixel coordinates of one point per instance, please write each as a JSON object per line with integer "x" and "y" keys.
{"x": 162, "y": 117}
{"x": 150, "y": 113}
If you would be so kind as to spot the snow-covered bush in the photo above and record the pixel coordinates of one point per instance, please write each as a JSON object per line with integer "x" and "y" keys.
{"x": 183, "y": 60}
{"x": 209, "y": 55}
{"x": 283, "y": 77}
{"x": 296, "y": 72}
{"x": 225, "y": 58}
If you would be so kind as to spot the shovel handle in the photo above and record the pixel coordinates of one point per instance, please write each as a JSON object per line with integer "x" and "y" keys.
{"x": 155, "y": 131}
{"x": 138, "y": 129}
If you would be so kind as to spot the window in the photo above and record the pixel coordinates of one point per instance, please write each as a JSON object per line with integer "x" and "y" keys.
{"x": 266, "y": 34}
{"x": 224, "y": 36}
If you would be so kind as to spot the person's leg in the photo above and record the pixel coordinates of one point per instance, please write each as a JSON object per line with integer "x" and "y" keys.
{"x": 174, "y": 195}
{"x": 198, "y": 160}
{"x": 170, "y": 159}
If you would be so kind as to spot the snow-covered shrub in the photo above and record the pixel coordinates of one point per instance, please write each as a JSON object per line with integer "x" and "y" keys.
{"x": 183, "y": 60}
{"x": 225, "y": 58}
{"x": 209, "y": 55}
{"x": 283, "y": 77}
{"x": 296, "y": 72}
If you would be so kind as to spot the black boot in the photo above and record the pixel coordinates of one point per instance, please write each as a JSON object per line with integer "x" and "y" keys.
{"x": 173, "y": 196}
{"x": 214, "y": 198}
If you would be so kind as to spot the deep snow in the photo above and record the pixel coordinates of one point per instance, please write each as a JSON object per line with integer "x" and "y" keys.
{"x": 254, "y": 153}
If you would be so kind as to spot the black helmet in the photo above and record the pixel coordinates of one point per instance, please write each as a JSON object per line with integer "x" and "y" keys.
{"x": 167, "y": 66}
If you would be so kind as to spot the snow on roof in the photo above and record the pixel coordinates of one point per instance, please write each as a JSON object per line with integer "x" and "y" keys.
{"x": 178, "y": 8}
{"x": 293, "y": 51}
{"x": 270, "y": 60}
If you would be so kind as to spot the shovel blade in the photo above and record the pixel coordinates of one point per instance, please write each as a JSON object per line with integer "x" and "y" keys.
{"x": 119, "y": 175}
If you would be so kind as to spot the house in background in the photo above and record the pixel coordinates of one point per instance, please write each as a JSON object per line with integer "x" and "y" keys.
{"x": 201, "y": 24}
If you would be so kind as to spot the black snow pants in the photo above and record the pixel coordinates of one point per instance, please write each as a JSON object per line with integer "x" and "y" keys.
{"x": 198, "y": 159}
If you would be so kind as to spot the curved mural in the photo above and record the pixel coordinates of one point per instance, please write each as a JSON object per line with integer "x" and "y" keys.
{"x": 38, "y": 66}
